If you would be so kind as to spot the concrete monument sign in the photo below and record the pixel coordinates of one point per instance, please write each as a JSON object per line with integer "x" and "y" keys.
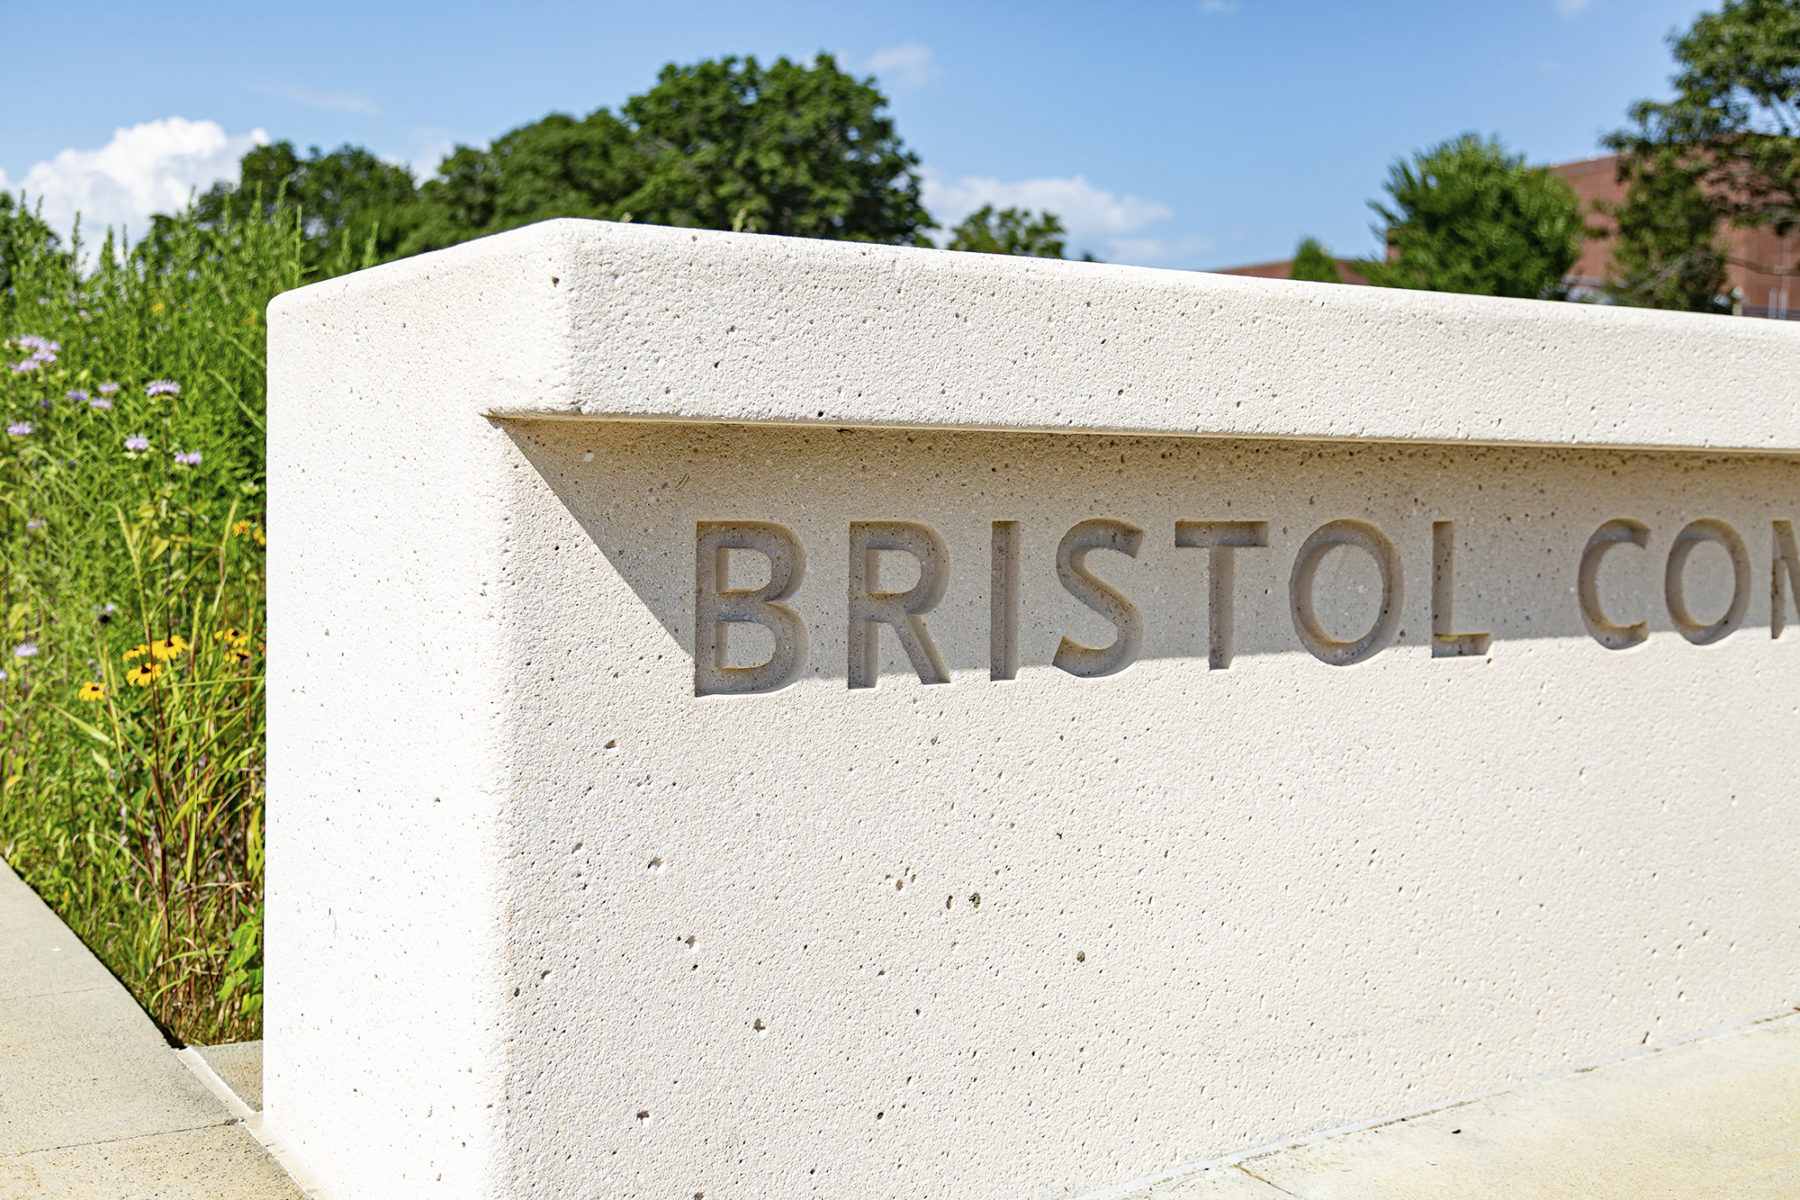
{"x": 753, "y": 717}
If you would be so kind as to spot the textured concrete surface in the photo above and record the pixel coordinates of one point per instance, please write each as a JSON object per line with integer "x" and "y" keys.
{"x": 239, "y": 1066}
{"x": 93, "y": 1101}
{"x": 215, "y": 1162}
{"x": 685, "y": 324}
{"x": 544, "y": 920}
{"x": 1717, "y": 1117}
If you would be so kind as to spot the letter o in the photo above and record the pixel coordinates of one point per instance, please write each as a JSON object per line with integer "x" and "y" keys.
{"x": 1707, "y": 529}
{"x": 1373, "y": 542}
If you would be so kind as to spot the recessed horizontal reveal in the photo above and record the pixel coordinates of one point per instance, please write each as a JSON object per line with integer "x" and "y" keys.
{"x": 773, "y": 554}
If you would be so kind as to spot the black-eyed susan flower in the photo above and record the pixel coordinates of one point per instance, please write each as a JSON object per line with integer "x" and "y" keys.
{"x": 144, "y": 674}
{"x": 164, "y": 649}
{"x": 232, "y": 634}
{"x": 136, "y": 652}
{"x": 91, "y": 692}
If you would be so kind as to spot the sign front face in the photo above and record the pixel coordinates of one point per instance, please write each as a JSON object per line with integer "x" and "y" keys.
{"x": 907, "y": 813}
{"x": 755, "y": 716}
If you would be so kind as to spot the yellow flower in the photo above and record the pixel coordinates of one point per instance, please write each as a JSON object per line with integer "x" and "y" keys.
{"x": 136, "y": 652}
{"x": 239, "y": 655}
{"x": 257, "y": 533}
{"x": 165, "y": 649}
{"x": 241, "y": 529}
{"x": 144, "y": 674}
{"x": 91, "y": 692}
{"x": 157, "y": 308}
{"x": 232, "y": 634}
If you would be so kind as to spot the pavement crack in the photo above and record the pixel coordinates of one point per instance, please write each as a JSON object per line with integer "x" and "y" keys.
{"x": 1260, "y": 1179}
{"x": 226, "y": 1119}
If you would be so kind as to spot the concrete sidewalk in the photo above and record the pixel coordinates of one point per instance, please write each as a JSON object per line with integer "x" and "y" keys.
{"x": 1711, "y": 1117}
{"x": 94, "y": 1103}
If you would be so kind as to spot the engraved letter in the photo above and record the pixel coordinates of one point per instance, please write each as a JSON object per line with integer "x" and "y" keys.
{"x": 1221, "y": 539}
{"x": 715, "y": 606}
{"x": 1372, "y": 541}
{"x": 1587, "y": 583}
{"x": 1071, "y": 568}
{"x": 1707, "y": 529}
{"x": 1787, "y": 556}
{"x": 897, "y": 610}
{"x": 1003, "y": 603}
{"x": 1445, "y": 642}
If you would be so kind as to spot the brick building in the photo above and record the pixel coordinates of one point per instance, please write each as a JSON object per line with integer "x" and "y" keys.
{"x": 1753, "y": 256}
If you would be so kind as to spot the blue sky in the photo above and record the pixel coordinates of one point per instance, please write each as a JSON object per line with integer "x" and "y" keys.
{"x": 1198, "y": 133}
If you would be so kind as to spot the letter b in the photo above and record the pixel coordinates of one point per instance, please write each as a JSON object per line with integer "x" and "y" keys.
{"x": 716, "y": 606}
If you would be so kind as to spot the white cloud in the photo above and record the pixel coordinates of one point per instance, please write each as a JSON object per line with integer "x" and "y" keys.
{"x": 1568, "y": 8}
{"x": 434, "y": 144}
{"x": 1097, "y": 219}
{"x": 1219, "y": 8}
{"x": 908, "y": 65}
{"x": 325, "y": 101}
{"x": 148, "y": 168}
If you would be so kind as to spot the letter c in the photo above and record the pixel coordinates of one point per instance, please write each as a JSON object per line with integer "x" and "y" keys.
{"x": 1608, "y": 633}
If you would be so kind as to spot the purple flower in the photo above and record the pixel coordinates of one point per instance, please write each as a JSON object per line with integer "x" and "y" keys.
{"x": 108, "y": 388}
{"x": 43, "y": 356}
{"x": 30, "y": 364}
{"x": 25, "y": 649}
{"x": 75, "y": 394}
{"x": 21, "y": 429}
{"x": 99, "y": 402}
{"x": 35, "y": 523}
{"x": 190, "y": 459}
{"x": 163, "y": 387}
{"x": 137, "y": 442}
{"x": 32, "y": 341}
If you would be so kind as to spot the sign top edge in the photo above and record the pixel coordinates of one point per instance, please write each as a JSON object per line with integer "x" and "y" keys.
{"x": 669, "y": 323}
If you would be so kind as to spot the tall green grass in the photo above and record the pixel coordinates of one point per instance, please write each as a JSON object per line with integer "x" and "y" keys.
{"x": 131, "y": 586}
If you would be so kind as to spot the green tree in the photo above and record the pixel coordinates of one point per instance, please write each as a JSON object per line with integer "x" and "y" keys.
{"x": 556, "y": 167}
{"x": 349, "y": 203}
{"x": 24, "y": 238}
{"x": 1726, "y": 149}
{"x": 1466, "y": 216}
{"x": 791, "y": 149}
{"x": 1010, "y": 231}
{"x": 1667, "y": 252}
{"x": 1313, "y": 262}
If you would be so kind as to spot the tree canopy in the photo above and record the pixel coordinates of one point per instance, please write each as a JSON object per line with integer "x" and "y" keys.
{"x": 1466, "y": 216}
{"x": 1009, "y": 231}
{"x": 1314, "y": 263}
{"x": 24, "y": 237}
{"x": 1725, "y": 149}
{"x": 349, "y": 202}
{"x": 806, "y": 151}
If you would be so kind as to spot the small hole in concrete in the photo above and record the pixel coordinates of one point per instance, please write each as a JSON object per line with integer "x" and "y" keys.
{"x": 1081, "y": 956}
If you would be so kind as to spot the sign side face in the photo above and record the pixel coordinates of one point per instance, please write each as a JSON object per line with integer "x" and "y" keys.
{"x": 902, "y": 813}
